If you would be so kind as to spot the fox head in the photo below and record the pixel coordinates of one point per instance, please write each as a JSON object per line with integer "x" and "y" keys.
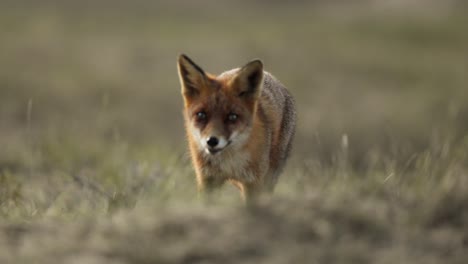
{"x": 219, "y": 110}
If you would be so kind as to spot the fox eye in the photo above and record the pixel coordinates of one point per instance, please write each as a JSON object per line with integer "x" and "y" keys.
{"x": 232, "y": 117}
{"x": 201, "y": 116}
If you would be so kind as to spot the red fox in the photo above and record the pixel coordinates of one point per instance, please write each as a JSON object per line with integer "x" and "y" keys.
{"x": 240, "y": 126}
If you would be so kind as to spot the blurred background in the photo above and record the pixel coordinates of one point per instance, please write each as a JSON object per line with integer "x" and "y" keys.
{"x": 93, "y": 158}
{"x": 90, "y": 88}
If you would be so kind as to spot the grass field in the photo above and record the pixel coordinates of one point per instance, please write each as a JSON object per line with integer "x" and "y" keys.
{"x": 93, "y": 159}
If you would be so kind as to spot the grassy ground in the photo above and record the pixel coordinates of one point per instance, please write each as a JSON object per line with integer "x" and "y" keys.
{"x": 93, "y": 163}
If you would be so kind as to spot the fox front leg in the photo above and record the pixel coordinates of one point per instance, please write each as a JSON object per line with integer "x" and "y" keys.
{"x": 250, "y": 192}
{"x": 207, "y": 185}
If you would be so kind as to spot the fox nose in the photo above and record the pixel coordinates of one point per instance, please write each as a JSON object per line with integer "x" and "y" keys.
{"x": 212, "y": 141}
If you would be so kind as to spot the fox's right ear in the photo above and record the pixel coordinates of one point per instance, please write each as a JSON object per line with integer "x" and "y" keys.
{"x": 192, "y": 77}
{"x": 249, "y": 79}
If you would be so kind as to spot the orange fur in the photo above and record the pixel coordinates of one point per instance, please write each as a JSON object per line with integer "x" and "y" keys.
{"x": 252, "y": 117}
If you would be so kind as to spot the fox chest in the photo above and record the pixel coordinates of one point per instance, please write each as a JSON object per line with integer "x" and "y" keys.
{"x": 236, "y": 166}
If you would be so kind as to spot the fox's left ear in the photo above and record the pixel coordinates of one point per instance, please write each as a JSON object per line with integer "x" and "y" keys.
{"x": 248, "y": 81}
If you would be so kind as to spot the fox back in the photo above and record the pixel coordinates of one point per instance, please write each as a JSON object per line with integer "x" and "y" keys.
{"x": 240, "y": 126}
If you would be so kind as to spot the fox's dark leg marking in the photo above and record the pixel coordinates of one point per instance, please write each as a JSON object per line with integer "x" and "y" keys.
{"x": 209, "y": 184}
{"x": 252, "y": 191}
